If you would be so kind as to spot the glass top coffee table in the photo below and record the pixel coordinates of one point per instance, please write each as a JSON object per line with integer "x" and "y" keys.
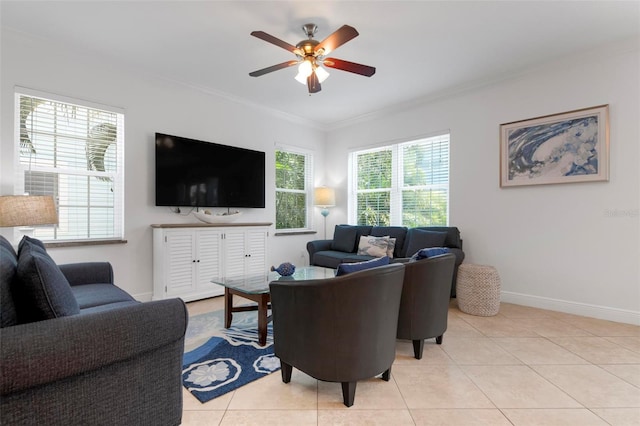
{"x": 256, "y": 289}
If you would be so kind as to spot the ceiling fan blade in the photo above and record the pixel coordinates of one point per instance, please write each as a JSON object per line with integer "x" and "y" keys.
{"x": 274, "y": 40}
{"x": 313, "y": 83}
{"x": 337, "y": 39}
{"x": 340, "y": 64}
{"x": 273, "y": 68}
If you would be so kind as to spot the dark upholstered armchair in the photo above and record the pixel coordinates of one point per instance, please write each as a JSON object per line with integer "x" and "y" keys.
{"x": 425, "y": 300}
{"x": 339, "y": 329}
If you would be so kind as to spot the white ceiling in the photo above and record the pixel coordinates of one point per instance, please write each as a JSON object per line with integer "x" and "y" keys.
{"x": 420, "y": 48}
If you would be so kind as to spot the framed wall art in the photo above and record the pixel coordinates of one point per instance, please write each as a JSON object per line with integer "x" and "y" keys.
{"x": 567, "y": 147}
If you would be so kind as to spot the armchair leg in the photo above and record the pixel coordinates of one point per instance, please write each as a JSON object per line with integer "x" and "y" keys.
{"x": 386, "y": 375}
{"x": 348, "y": 393}
{"x": 439, "y": 339}
{"x": 418, "y": 345}
{"x": 286, "y": 372}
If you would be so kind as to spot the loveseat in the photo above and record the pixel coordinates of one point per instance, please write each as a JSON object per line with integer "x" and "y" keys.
{"x": 343, "y": 248}
{"x": 76, "y": 349}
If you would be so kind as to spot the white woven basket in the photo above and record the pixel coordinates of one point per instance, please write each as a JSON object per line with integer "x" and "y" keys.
{"x": 478, "y": 289}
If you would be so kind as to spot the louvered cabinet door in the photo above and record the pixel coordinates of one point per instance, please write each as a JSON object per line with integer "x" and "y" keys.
{"x": 256, "y": 261}
{"x": 235, "y": 252}
{"x": 209, "y": 259}
{"x": 179, "y": 262}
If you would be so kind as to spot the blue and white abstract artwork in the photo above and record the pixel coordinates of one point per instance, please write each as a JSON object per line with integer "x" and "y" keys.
{"x": 568, "y": 147}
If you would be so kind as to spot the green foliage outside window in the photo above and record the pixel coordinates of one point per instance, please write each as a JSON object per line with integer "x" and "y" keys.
{"x": 291, "y": 193}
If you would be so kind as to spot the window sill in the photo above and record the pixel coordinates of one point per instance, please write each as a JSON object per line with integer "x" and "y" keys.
{"x": 287, "y": 233}
{"x": 56, "y": 244}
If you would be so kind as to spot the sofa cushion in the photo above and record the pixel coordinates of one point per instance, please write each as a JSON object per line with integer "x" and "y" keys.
{"x": 419, "y": 239}
{"x": 344, "y": 238}
{"x": 373, "y": 246}
{"x": 41, "y": 291}
{"x": 330, "y": 258}
{"x": 347, "y": 268}
{"x": 397, "y": 232}
{"x": 90, "y": 295}
{"x": 426, "y": 253}
{"x": 35, "y": 243}
{"x": 453, "y": 235}
{"x": 8, "y": 265}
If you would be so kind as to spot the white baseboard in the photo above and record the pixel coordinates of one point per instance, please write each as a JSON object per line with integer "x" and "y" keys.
{"x": 576, "y": 308}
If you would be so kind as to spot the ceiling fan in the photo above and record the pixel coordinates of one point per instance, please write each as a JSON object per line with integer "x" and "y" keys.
{"x": 311, "y": 54}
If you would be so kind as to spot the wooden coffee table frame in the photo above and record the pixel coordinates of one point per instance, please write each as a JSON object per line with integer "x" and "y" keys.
{"x": 263, "y": 300}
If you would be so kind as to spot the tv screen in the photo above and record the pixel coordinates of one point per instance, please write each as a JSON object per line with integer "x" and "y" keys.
{"x": 203, "y": 174}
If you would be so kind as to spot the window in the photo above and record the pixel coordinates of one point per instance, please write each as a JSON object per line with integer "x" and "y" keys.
{"x": 73, "y": 152}
{"x": 293, "y": 185}
{"x": 403, "y": 184}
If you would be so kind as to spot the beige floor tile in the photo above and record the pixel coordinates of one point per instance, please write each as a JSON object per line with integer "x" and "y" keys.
{"x": 438, "y": 386}
{"x": 371, "y": 394}
{"x": 591, "y": 385}
{"x": 205, "y": 305}
{"x": 460, "y": 417}
{"x": 431, "y": 354}
{"x": 631, "y": 343}
{"x": 510, "y": 310}
{"x": 202, "y": 418}
{"x": 270, "y": 393}
{"x": 553, "y": 417}
{"x": 477, "y": 351}
{"x": 537, "y": 350}
{"x": 352, "y": 417}
{"x": 603, "y": 328}
{"x": 499, "y": 326}
{"x": 458, "y": 327}
{"x": 189, "y": 402}
{"x": 628, "y": 372}
{"x": 619, "y": 416}
{"x": 550, "y": 327}
{"x": 598, "y": 350}
{"x": 513, "y": 386}
{"x": 270, "y": 418}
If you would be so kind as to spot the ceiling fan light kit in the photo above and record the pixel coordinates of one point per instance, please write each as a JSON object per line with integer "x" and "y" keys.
{"x": 311, "y": 54}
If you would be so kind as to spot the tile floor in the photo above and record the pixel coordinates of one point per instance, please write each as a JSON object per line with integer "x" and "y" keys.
{"x": 525, "y": 366}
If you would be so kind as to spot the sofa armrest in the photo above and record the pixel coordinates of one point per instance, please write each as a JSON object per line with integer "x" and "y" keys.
{"x": 315, "y": 246}
{"x": 88, "y": 273}
{"x": 47, "y": 351}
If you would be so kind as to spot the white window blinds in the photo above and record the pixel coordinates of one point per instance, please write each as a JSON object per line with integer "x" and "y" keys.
{"x": 74, "y": 153}
{"x": 403, "y": 184}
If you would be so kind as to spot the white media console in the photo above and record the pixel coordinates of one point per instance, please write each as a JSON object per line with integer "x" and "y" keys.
{"x": 186, "y": 257}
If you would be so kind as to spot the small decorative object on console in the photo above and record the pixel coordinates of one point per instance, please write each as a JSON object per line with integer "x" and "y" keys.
{"x": 207, "y": 217}
{"x": 285, "y": 269}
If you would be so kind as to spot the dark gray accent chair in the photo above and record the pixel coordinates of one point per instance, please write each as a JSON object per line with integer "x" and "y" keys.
{"x": 425, "y": 300}
{"x": 116, "y": 362}
{"x": 340, "y": 329}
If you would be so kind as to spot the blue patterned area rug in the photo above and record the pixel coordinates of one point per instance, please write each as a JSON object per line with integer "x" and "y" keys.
{"x": 219, "y": 360}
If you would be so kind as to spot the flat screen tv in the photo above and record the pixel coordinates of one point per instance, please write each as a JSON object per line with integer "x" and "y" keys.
{"x": 204, "y": 174}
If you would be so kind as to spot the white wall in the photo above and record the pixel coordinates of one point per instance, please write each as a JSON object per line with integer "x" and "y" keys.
{"x": 555, "y": 246}
{"x": 151, "y": 105}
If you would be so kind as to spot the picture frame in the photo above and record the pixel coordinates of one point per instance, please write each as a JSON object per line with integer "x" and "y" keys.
{"x": 567, "y": 147}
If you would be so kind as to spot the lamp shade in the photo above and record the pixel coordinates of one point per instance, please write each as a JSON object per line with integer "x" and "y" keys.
{"x": 27, "y": 210}
{"x": 325, "y": 197}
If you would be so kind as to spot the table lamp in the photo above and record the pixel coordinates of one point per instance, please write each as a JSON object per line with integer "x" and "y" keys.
{"x": 26, "y": 211}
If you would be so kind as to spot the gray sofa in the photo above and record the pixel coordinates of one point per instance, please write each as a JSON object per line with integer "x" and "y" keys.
{"x": 343, "y": 248}
{"x": 79, "y": 350}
